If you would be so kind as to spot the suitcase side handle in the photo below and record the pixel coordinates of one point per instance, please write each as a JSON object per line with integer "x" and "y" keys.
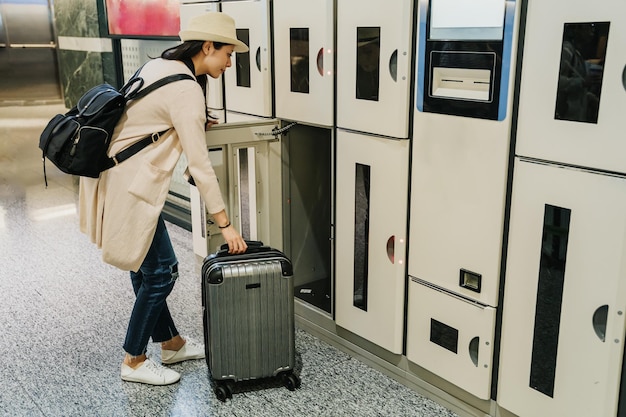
{"x": 253, "y": 246}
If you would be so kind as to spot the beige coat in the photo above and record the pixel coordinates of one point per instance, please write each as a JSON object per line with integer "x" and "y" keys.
{"x": 119, "y": 210}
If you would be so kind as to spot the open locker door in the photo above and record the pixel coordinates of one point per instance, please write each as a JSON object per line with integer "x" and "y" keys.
{"x": 246, "y": 157}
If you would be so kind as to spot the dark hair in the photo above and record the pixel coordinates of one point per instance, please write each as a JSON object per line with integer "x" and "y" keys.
{"x": 185, "y": 51}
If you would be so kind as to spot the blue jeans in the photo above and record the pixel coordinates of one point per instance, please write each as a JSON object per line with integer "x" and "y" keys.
{"x": 152, "y": 284}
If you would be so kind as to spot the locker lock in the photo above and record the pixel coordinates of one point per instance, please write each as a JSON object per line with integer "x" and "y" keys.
{"x": 470, "y": 280}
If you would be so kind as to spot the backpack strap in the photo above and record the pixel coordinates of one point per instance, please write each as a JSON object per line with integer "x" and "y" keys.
{"x": 124, "y": 154}
{"x": 135, "y": 95}
{"x": 152, "y": 138}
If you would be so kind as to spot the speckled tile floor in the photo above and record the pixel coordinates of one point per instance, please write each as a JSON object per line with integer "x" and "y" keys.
{"x": 64, "y": 316}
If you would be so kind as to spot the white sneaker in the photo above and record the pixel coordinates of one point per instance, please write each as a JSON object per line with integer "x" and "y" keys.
{"x": 151, "y": 373}
{"x": 190, "y": 350}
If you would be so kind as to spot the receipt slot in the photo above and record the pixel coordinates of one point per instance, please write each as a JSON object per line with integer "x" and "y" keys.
{"x": 464, "y": 57}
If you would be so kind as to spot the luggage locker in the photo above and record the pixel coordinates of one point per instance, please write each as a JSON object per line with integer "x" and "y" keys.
{"x": 374, "y": 66}
{"x": 372, "y": 189}
{"x": 248, "y": 317}
{"x": 573, "y": 83}
{"x": 246, "y": 159}
{"x": 248, "y": 85}
{"x": 563, "y": 326}
{"x": 188, "y": 10}
{"x": 451, "y": 336}
{"x": 304, "y": 60}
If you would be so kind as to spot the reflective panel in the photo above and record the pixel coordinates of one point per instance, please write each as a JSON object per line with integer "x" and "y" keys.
{"x": 555, "y": 236}
{"x": 581, "y": 71}
{"x": 243, "y": 60}
{"x": 361, "y": 234}
{"x": 367, "y": 63}
{"x": 299, "y": 52}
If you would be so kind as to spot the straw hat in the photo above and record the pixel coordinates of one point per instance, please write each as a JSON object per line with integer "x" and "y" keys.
{"x": 213, "y": 26}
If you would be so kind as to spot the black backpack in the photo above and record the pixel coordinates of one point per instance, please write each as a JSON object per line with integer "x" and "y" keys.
{"x": 77, "y": 142}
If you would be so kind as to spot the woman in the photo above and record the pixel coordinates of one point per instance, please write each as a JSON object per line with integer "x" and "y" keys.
{"x": 121, "y": 210}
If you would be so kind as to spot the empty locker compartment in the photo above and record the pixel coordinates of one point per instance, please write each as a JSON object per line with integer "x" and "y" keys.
{"x": 451, "y": 337}
{"x": 562, "y": 339}
{"x": 215, "y": 87}
{"x": 370, "y": 236}
{"x": 307, "y": 184}
{"x": 304, "y": 60}
{"x": 572, "y": 83}
{"x": 247, "y": 161}
{"x": 374, "y": 66}
{"x": 248, "y": 85}
{"x": 460, "y": 159}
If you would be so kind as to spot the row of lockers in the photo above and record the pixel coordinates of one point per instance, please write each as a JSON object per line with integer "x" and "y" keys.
{"x": 377, "y": 49}
{"x": 516, "y": 240}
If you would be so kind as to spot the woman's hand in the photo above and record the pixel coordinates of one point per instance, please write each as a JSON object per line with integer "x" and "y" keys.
{"x": 236, "y": 244}
{"x": 210, "y": 123}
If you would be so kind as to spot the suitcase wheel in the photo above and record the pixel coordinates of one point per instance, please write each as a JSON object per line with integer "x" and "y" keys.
{"x": 223, "y": 392}
{"x": 291, "y": 381}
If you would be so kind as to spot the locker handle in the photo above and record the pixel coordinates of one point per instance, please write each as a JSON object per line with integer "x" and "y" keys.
{"x": 599, "y": 321}
{"x": 391, "y": 248}
{"x": 393, "y": 65}
{"x": 320, "y": 61}
{"x": 473, "y": 350}
{"x": 624, "y": 77}
{"x": 258, "y": 58}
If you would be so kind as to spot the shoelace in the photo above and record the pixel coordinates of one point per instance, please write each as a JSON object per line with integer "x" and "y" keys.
{"x": 155, "y": 367}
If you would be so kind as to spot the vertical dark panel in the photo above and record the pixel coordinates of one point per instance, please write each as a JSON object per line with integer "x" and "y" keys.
{"x": 243, "y": 60}
{"x": 361, "y": 234}
{"x": 556, "y": 226}
{"x": 581, "y": 71}
{"x": 299, "y": 54}
{"x": 621, "y": 410}
{"x": 367, "y": 63}
{"x": 244, "y": 195}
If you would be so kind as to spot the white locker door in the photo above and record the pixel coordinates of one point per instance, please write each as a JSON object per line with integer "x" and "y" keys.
{"x": 370, "y": 237}
{"x": 215, "y": 97}
{"x": 373, "y": 66}
{"x": 567, "y": 86}
{"x": 247, "y": 161}
{"x": 451, "y": 337}
{"x": 564, "y": 294}
{"x": 248, "y": 82}
{"x": 304, "y": 60}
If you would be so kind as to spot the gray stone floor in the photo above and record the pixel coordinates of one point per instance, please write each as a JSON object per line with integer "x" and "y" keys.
{"x": 64, "y": 316}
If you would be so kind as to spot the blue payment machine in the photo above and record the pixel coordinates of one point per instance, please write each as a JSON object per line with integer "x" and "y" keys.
{"x": 464, "y": 57}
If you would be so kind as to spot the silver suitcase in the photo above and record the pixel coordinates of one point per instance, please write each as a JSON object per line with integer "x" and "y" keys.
{"x": 248, "y": 317}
